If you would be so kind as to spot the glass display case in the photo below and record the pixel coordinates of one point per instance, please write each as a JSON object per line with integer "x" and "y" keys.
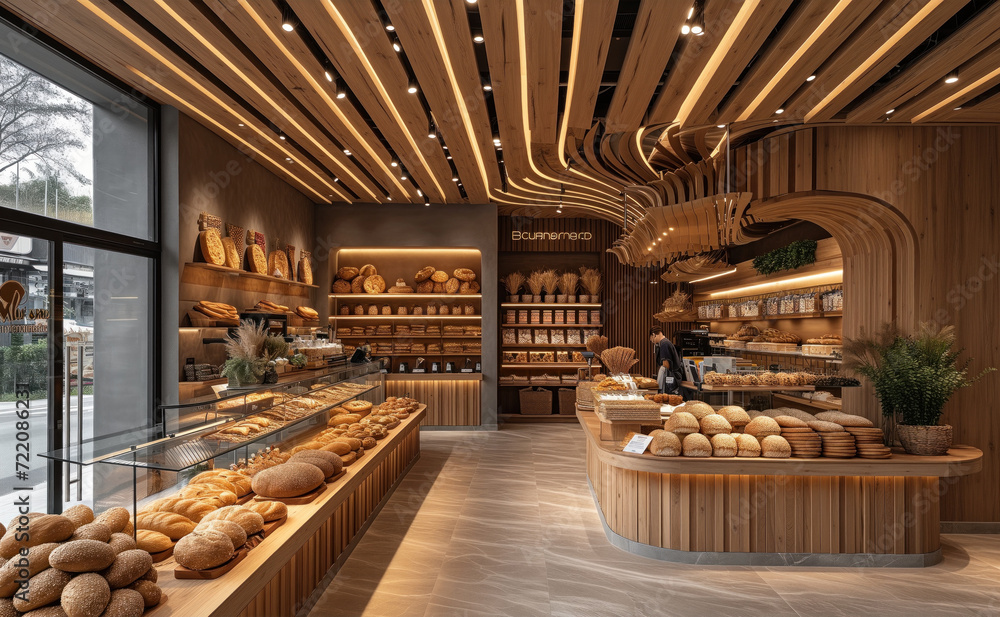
{"x": 141, "y": 465}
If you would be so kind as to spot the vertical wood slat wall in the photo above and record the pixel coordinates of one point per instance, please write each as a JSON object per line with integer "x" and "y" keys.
{"x": 449, "y": 403}
{"x": 288, "y": 590}
{"x": 769, "y": 514}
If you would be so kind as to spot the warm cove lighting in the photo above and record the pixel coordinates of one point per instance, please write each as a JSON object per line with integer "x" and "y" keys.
{"x": 714, "y": 276}
{"x": 778, "y": 285}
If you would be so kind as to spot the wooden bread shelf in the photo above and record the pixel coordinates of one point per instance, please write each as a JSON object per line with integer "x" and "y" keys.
{"x": 551, "y": 325}
{"x": 408, "y": 336}
{"x": 403, "y": 317}
{"x": 562, "y": 305}
{"x": 548, "y": 365}
{"x": 389, "y": 296}
{"x": 798, "y": 400}
{"x": 245, "y": 274}
{"x": 816, "y": 315}
{"x": 528, "y": 347}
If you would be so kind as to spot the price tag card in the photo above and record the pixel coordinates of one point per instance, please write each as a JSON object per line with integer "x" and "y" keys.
{"x": 466, "y": 370}
{"x": 638, "y": 444}
{"x": 419, "y": 370}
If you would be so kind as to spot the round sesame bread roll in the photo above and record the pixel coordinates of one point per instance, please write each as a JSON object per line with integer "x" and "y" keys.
{"x": 237, "y": 535}
{"x": 250, "y": 521}
{"x": 736, "y": 416}
{"x": 125, "y": 602}
{"x": 201, "y": 550}
{"x": 150, "y": 591}
{"x": 115, "y": 518}
{"x": 696, "y": 445}
{"x": 698, "y": 409}
{"x": 121, "y": 542}
{"x": 440, "y": 276}
{"x": 92, "y": 531}
{"x": 82, "y": 556}
{"x": 80, "y": 515}
{"x": 127, "y": 567}
{"x": 724, "y": 445}
{"x": 747, "y": 446}
{"x": 714, "y": 424}
{"x": 40, "y": 530}
{"x": 86, "y": 595}
{"x": 10, "y": 572}
{"x": 44, "y": 588}
{"x": 424, "y": 273}
{"x": 761, "y": 427}
{"x": 665, "y": 443}
{"x": 681, "y": 423}
{"x": 775, "y": 446}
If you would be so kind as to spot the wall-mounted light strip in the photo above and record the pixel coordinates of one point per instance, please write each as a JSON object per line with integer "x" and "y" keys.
{"x": 791, "y": 283}
{"x": 714, "y": 276}
{"x": 139, "y": 42}
{"x": 348, "y": 33}
{"x": 321, "y": 91}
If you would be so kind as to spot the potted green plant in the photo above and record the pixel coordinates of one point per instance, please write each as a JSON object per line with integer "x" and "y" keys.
{"x": 246, "y": 364}
{"x": 913, "y": 376}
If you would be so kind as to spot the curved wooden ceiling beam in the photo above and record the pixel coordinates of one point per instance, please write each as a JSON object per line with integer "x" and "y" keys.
{"x": 976, "y": 76}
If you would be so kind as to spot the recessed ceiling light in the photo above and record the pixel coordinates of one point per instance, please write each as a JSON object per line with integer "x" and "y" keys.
{"x": 780, "y": 111}
{"x": 419, "y": 192}
{"x": 471, "y": 1}
{"x": 670, "y": 228}
{"x": 957, "y": 108}
{"x": 690, "y": 12}
{"x": 329, "y": 77}
{"x": 336, "y": 179}
{"x": 454, "y": 178}
{"x": 287, "y": 18}
{"x": 340, "y": 89}
{"x": 412, "y": 87}
{"x": 951, "y": 78}
{"x": 697, "y": 29}
{"x": 488, "y": 87}
{"x": 685, "y": 29}
{"x": 427, "y": 201}
{"x": 389, "y": 197}
{"x": 241, "y": 124}
{"x": 810, "y": 78}
{"x": 397, "y": 47}
{"x": 347, "y": 152}
{"x": 288, "y": 158}
{"x": 890, "y": 111}
{"x": 720, "y": 126}
{"x": 431, "y": 131}
{"x": 448, "y": 157}
{"x": 477, "y": 36}
{"x": 403, "y": 177}
{"x": 394, "y": 163}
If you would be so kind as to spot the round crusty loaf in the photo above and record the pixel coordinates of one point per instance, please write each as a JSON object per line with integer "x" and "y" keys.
{"x": 696, "y": 445}
{"x": 424, "y": 274}
{"x": 340, "y": 286}
{"x": 152, "y": 541}
{"x": 367, "y": 270}
{"x": 250, "y": 521}
{"x": 723, "y": 445}
{"x": 38, "y": 560}
{"x": 775, "y": 446}
{"x": 115, "y": 518}
{"x": 789, "y": 422}
{"x": 451, "y": 285}
{"x": 82, "y": 556}
{"x": 440, "y": 276}
{"x": 240, "y": 482}
{"x": 92, "y": 531}
{"x": 121, "y": 542}
{"x": 7, "y": 608}
{"x": 736, "y": 416}
{"x": 358, "y": 285}
{"x": 86, "y": 595}
{"x": 698, "y": 409}
{"x": 374, "y": 284}
{"x": 174, "y": 526}
{"x": 337, "y": 447}
{"x": 150, "y": 591}
{"x": 202, "y": 491}
{"x": 201, "y": 550}
{"x": 714, "y": 424}
{"x": 269, "y": 510}
{"x": 825, "y": 427}
{"x": 52, "y": 610}
{"x": 844, "y": 419}
{"x": 40, "y": 530}
{"x": 329, "y": 462}
{"x": 747, "y": 446}
{"x": 125, "y": 603}
{"x": 438, "y": 289}
{"x": 237, "y": 535}
{"x": 80, "y": 515}
{"x": 348, "y": 273}
{"x": 127, "y": 568}
{"x": 665, "y": 443}
{"x": 425, "y": 287}
{"x": 44, "y": 588}
{"x": 464, "y": 274}
{"x": 761, "y": 427}
{"x": 682, "y": 423}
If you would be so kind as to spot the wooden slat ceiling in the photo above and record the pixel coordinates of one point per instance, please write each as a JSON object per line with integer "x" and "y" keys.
{"x": 602, "y": 108}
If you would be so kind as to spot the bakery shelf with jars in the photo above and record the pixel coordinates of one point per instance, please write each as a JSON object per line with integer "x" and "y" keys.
{"x": 228, "y": 494}
{"x": 424, "y": 319}
{"x": 543, "y": 340}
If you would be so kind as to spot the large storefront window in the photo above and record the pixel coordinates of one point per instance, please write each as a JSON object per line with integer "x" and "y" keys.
{"x": 78, "y": 282}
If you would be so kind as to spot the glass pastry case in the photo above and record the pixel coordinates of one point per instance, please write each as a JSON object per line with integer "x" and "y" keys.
{"x": 135, "y": 466}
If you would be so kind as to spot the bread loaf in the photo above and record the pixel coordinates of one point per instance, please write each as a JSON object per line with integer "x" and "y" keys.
{"x": 115, "y": 518}
{"x": 344, "y": 419}
{"x": 191, "y": 509}
{"x": 355, "y": 444}
{"x": 341, "y": 286}
{"x": 204, "y": 491}
{"x": 150, "y": 575}
{"x": 256, "y": 259}
{"x": 250, "y": 521}
{"x": 216, "y": 481}
{"x": 736, "y": 416}
{"x": 696, "y": 445}
{"x": 150, "y": 591}
{"x": 790, "y": 422}
{"x": 305, "y": 271}
{"x": 665, "y": 443}
{"x": 451, "y": 285}
{"x": 268, "y": 510}
{"x": 775, "y": 446}
{"x": 82, "y": 556}
{"x": 211, "y": 247}
{"x": 424, "y": 274}
{"x": 698, "y": 409}
{"x": 714, "y": 424}
{"x": 86, "y": 595}
{"x": 45, "y": 588}
{"x": 125, "y": 602}
{"x": 201, "y": 550}
{"x": 374, "y": 284}
{"x": 439, "y": 276}
{"x": 337, "y": 447}
{"x": 328, "y": 462}
{"x": 7, "y": 608}
{"x": 761, "y": 427}
{"x": 127, "y": 567}
{"x": 174, "y": 526}
{"x": 465, "y": 274}
{"x": 152, "y": 541}
{"x": 121, "y": 542}
{"x": 681, "y": 423}
{"x": 425, "y": 287}
{"x": 38, "y": 560}
{"x": 80, "y": 515}
{"x": 348, "y": 273}
{"x": 724, "y": 445}
{"x": 237, "y": 535}
{"x": 40, "y": 530}
{"x": 747, "y": 446}
{"x": 92, "y": 531}
{"x": 52, "y": 610}
{"x": 287, "y": 480}
{"x": 358, "y": 285}
{"x": 232, "y": 255}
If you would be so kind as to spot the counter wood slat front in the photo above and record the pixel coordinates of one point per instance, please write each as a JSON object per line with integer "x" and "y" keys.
{"x": 760, "y": 511}
{"x": 280, "y": 574}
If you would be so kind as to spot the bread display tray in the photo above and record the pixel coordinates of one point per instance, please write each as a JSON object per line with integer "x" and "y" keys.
{"x": 162, "y": 555}
{"x": 211, "y": 573}
{"x": 301, "y": 500}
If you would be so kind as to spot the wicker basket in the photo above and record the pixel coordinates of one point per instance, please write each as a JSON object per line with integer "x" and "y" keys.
{"x": 536, "y": 402}
{"x": 567, "y": 401}
{"x": 925, "y": 440}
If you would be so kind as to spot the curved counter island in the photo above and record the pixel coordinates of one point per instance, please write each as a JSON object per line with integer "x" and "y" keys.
{"x": 759, "y": 511}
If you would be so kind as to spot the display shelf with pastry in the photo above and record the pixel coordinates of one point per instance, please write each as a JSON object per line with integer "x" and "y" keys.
{"x": 245, "y": 274}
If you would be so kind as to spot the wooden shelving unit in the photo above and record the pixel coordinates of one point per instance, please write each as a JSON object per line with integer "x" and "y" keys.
{"x": 402, "y": 297}
{"x": 246, "y": 275}
{"x": 798, "y": 400}
{"x": 816, "y": 315}
{"x": 533, "y": 365}
{"x": 552, "y": 325}
{"x": 550, "y": 305}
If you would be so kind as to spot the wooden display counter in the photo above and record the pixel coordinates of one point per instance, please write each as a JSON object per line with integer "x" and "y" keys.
{"x": 758, "y": 511}
{"x": 281, "y": 573}
{"x": 452, "y": 398}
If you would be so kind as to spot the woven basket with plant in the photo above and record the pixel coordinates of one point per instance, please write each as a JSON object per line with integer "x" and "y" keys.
{"x": 550, "y": 282}
{"x": 568, "y": 282}
{"x": 591, "y": 282}
{"x": 536, "y": 283}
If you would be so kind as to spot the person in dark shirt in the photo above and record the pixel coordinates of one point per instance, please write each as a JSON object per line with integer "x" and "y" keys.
{"x": 668, "y": 362}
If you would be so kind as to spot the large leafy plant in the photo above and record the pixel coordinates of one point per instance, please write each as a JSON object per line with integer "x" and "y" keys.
{"x": 914, "y": 376}
{"x": 795, "y": 255}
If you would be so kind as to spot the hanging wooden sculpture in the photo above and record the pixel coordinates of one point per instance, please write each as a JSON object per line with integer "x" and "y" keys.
{"x": 697, "y": 267}
{"x": 678, "y": 307}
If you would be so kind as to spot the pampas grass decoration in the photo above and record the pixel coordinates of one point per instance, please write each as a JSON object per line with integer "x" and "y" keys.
{"x": 550, "y": 280}
{"x": 513, "y": 283}
{"x": 535, "y": 283}
{"x": 568, "y": 282}
{"x": 591, "y": 281}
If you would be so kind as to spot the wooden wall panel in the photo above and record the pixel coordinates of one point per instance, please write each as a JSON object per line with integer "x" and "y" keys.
{"x": 938, "y": 189}
{"x": 449, "y": 403}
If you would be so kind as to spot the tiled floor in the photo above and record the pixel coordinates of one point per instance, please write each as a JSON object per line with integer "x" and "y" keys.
{"x": 502, "y": 523}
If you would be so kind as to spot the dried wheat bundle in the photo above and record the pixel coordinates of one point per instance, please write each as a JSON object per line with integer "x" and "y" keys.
{"x": 568, "y": 282}
{"x": 513, "y": 283}
{"x": 618, "y": 360}
{"x": 597, "y": 344}
{"x": 550, "y": 280}
{"x": 535, "y": 283}
{"x": 591, "y": 281}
